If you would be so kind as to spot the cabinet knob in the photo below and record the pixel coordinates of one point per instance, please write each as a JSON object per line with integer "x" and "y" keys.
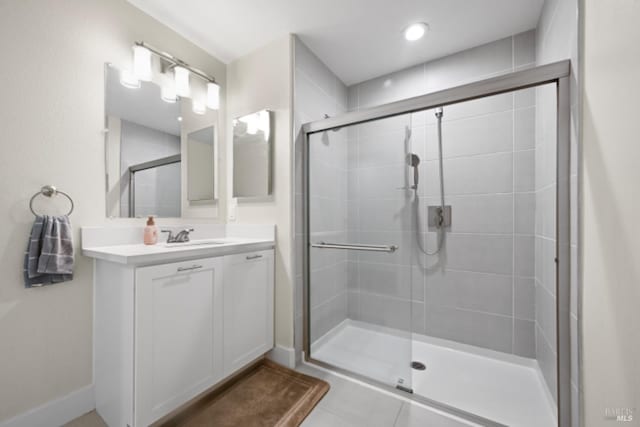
{"x": 254, "y": 256}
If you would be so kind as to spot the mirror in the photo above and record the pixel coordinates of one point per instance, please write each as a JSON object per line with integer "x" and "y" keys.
{"x": 151, "y": 146}
{"x": 200, "y": 154}
{"x": 252, "y": 159}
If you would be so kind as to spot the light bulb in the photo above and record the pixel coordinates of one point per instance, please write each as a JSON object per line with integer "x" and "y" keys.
{"x": 142, "y": 63}
{"x": 213, "y": 96}
{"x": 198, "y": 107}
{"x": 168, "y": 89}
{"x": 182, "y": 81}
{"x": 253, "y": 123}
{"x": 168, "y": 94}
{"x": 415, "y": 31}
{"x": 127, "y": 79}
{"x": 264, "y": 124}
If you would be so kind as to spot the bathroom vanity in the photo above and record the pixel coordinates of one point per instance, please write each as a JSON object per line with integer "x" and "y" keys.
{"x": 172, "y": 321}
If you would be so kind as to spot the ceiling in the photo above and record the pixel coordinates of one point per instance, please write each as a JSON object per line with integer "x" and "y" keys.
{"x": 357, "y": 39}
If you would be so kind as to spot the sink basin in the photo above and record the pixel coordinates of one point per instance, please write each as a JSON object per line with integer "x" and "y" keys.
{"x": 203, "y": 242}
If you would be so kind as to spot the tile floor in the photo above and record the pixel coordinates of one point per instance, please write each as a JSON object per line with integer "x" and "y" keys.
{"x": 350, "y": 404}
{"x": 347, "y": 404}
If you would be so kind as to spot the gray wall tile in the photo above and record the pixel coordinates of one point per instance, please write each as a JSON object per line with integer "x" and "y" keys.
{"x": 471, "y": 291}
{"x": 471, "y": 283}
{"x": 470, "y": 327}
{"x": 524, "y": 338}
{"x": 524, "y": 298}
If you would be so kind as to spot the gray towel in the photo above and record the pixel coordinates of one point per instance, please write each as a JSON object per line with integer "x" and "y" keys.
{"x": 49, "y": 256}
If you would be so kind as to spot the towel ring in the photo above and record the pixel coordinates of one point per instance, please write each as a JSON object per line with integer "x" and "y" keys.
{"x": 50, "y": 191}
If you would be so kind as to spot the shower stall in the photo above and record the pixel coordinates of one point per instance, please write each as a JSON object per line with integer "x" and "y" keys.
{"x": 436, "y": 248}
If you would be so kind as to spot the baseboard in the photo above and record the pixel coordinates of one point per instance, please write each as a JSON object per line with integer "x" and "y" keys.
{"x": 56, "y": 412}
{"x": 284, "y": 356}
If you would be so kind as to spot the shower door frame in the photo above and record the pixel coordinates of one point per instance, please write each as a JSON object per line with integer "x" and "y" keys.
{"x": 557, "y": 73}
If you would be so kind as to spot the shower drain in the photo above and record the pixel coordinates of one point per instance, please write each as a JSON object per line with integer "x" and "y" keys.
{"x": 418, "y": 366}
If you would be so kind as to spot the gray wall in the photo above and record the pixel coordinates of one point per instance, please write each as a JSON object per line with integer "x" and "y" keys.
{"x": 317, "y": 91}
{"x": 479, "y": 290}
{"x": 158, "y": 189}
{"x": 556, "y": 39}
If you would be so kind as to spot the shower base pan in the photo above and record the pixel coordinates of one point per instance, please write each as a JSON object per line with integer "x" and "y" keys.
{"x": 501, "y": 387}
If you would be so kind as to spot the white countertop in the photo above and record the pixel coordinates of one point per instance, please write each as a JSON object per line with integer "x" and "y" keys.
{"x": 137, "y": 254}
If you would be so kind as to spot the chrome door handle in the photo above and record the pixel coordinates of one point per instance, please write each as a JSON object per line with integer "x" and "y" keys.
{"x": 249, "y": 257}
{"x": 193, "y": 267}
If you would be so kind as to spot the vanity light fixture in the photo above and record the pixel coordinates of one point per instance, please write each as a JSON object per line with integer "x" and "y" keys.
{"x": 198, "y": 107}
{"x": 181, "y": 75}
{"x": 253, "y": 124}
{"x": 168, "y": 88}
{"x": 182, "y": 72}
{"x": 415, "y": 31}
{"x": 128, "y": 79}
{"x": 213, "y": 96}
{"x": 168, "y": 94}
{"x": 142, "y": 63}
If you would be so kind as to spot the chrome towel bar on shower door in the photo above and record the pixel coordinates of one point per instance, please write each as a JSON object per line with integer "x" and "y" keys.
{"x": 356, "y": 247}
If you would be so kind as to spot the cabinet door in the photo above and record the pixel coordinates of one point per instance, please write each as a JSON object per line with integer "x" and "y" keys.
{"x": 178, "y": 341}
{"x": 248, "y": 308}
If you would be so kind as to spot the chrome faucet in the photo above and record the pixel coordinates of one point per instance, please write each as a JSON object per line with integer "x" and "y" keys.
{"x": 181, "y": 237}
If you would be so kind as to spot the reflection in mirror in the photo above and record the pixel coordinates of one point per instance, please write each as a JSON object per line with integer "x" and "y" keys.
{"x": 200, "y": 157}
{"x": 143, "y": 150}
{"x": 252, "y": 141}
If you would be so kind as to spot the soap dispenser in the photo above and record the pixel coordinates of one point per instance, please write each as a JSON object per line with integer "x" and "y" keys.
{"x": 150, "y": 232}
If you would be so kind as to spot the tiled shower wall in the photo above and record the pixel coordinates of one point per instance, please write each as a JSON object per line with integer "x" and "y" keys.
{"x": 480, "y": 289}
{"x": 317, "y": 92}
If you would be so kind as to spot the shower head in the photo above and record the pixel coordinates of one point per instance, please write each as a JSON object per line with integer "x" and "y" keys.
{"x": 326, "y": 116}
{"x": 413, "y": 160}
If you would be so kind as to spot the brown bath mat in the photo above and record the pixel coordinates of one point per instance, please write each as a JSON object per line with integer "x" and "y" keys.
{"x": 269, "y": 395}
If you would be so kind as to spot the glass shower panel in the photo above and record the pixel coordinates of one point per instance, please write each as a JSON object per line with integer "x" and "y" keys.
{"x": 489, "y": 312}
{"x": 157, "y": 191}
{"x": 362, "y": 278}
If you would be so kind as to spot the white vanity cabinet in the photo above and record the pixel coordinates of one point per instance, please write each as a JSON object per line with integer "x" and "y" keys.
{"x": 248, "y": 321}
{"x": 178, "y": 334}
{"x": 165, "y": 333}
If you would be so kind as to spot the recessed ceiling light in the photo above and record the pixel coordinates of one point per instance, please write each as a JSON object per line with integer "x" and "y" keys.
{"x": 415, "y": 31}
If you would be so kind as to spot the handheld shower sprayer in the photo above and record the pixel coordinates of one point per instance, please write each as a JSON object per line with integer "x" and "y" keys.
{"x": 414, "y": 161}
{"x": 442, "y": 213}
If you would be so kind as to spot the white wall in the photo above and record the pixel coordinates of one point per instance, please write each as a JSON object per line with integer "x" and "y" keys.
{"x": 257, "y": 81}
{"x": 52, "y": 117}
{"x": 610, "y": 228}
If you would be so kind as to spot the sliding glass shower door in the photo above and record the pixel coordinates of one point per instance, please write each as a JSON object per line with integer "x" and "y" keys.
{"x": 360, "y": 192}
